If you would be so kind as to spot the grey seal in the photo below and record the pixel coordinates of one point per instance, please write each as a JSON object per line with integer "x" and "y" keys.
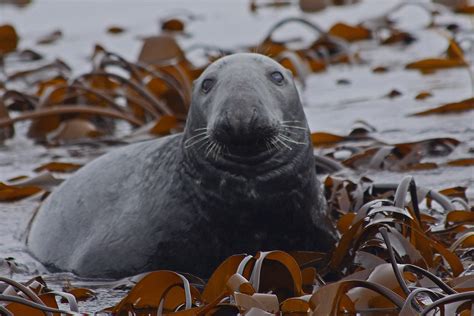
{"x": 239, "y": 179}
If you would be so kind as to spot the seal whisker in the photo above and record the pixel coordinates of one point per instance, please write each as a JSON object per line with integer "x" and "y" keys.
{"x": 293, "y": 126}
{"x": 214, "y": 150}
{"x": 272, "y": 143}
{"x": 196, "y": 142}
{"x": 276, "y": 144}
{"x": 283, "y": 143}
{"x": 219, "y": 150}
{"x": 291, "y": 140}
{"x": 210, "y": 148}
{"x": 287, "y": 130}
{"x": 292, "y": 132}
{"x": 201, "y": 129}
{"x": 208, "y": 140}
{"x": 280, "y": 147}
{"x": 192, "y": 137}
{"x": 284, "y": 122}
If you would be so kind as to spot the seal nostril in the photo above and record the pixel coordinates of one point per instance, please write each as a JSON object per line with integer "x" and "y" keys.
{"x": 244, "y": 126}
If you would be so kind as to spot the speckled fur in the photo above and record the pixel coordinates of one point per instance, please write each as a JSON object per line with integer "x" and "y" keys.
{"x": 159, "y": 205}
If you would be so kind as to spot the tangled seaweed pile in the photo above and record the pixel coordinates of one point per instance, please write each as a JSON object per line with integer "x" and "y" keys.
{"x": 154, "y": 92}
{"x": 403, "y": 249}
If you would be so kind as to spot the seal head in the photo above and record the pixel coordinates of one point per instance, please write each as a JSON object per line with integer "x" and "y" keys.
{"x": 245, "y": 110}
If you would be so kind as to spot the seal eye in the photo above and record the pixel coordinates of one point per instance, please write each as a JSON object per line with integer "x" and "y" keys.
{"x": 277, "y": 77}
{"x": 206, "y": 85}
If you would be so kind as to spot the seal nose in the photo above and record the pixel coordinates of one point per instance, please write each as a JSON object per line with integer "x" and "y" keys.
{"x": 242, "y": 124}
{"x": 239, "y": 125}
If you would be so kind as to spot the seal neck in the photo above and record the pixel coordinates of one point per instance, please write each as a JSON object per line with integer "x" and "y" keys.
{"x": 285, "y": 182}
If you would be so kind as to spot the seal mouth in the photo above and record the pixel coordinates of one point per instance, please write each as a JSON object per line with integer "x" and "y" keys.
{"x": 248, "y": 146}
{"x": 249, "y": 153}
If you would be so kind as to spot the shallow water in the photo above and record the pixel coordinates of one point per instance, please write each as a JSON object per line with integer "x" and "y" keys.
{"x": 329, "y": 107}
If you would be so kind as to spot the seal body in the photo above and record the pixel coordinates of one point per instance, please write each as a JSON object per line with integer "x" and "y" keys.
{"x": 239, "y": 179}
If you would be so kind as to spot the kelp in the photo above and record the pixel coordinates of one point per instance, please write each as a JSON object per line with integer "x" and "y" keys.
{"x": 391, "y": 258}
{"x": 402, "y": 249}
